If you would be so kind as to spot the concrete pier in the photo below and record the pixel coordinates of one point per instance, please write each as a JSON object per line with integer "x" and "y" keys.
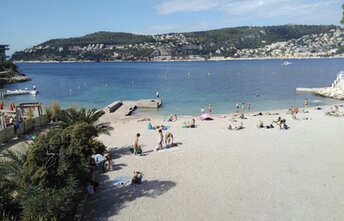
{"x": 336, "y": 90}
{"x": 148, "y": 103}
{"x": 121, "y": 109}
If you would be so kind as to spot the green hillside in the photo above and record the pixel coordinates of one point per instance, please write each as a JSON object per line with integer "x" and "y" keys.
{"x": 109, "y": 46}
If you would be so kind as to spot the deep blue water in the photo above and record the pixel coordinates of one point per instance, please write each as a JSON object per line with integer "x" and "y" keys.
{"x": 183, "y": 86}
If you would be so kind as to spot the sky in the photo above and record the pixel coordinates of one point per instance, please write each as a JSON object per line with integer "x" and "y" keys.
{"x": 25, "y": 23}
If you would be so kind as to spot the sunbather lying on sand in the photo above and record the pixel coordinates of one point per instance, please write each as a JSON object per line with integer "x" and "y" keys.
{"x": 236, "y": 127}
{"x": 189, "y": 124}
{"x": 143, "y": 119}
{"x": 172, "y": 118}
{"x": 260, "y": 124}
{"x": 257, "y": 114}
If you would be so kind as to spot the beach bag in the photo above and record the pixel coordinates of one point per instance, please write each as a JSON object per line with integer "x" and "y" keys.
{"x": 90, "y": 190}
{"x": 138, "y": 152}
{"x": 149, "y": 126}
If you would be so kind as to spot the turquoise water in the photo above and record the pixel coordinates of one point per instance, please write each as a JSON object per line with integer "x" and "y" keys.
{"x": 183, "y": 86}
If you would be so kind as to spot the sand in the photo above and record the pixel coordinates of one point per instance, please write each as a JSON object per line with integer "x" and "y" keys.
{"x": 221, "y": 174}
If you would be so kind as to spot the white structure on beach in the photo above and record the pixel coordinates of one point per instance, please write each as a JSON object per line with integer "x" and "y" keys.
{"x": 335, "y": 91}
{"x": 339, "y": 82}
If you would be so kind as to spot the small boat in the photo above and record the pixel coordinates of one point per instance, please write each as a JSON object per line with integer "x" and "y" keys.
{"x": 19, "y": 92}
{"x": 286, "y": 63}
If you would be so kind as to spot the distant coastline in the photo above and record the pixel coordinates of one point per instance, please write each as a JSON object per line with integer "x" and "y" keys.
{"x": 183, "y": 60}
{"x": 243, "y": 43}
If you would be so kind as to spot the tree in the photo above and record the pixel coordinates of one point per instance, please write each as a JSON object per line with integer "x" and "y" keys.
{"x": 91, "y": 116}
{"x": 57, "y": 169}
{"x": 61, "y": 153}
{"x": 42, "y": 203}
{"x": 11, "y": 163}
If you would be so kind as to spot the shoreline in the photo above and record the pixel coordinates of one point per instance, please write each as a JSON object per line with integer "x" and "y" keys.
{"x": 186, "y": 60}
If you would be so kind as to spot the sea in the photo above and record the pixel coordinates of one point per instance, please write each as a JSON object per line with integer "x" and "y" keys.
{"x": 184, "y": 87}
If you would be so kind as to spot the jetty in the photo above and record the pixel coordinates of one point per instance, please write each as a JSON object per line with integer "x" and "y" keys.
{"x": 121, "y": 109}
{"x": 336, "y": 90}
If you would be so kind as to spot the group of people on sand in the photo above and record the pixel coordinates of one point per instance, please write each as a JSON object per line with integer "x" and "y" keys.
{"x": 137, "y": 150}
{"x": 168, "y": 140}
{"x": 280, "y": 122}
{"x": 156, "y": 127}
{"x": 172, "y": 117}
{"x": 189, "y": 124}
{"x": 240, "y": 127}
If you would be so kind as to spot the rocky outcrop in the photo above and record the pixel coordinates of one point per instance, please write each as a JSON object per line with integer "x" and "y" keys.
{"x": 10, "y": 76}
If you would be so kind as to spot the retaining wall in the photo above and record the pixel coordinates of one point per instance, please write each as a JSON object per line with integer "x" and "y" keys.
{"x": 9, "y": 133}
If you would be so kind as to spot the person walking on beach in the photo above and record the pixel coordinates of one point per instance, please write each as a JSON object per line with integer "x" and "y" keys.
{"x": 210, "y": 109}
{"x": 237, "y": 107}
{"x": 157, "y": 94}
{"x": 243, "y": 106}
{"x": 248, "y": 106}
{"x": 136, "y": 146}
{"x": 202, "y": 110}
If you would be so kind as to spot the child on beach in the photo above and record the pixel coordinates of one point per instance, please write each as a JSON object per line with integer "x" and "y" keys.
{"x": 169, "y": 139}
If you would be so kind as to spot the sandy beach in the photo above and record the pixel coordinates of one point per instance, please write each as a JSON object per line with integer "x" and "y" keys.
{"x": 221, "y": 174}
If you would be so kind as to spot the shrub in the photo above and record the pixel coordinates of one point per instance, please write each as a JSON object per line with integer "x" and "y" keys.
{"x": 43, "y": 203}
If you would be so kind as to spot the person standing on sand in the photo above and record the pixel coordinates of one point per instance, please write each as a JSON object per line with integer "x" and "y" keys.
{"x": 202, "y": 110}
{"x": 306, "y": 102}
{"x": 237, "y": 107}
{"x": 136, "y": 145}
{"x": 210, "y": 109}
{"x": 161, "y": 139}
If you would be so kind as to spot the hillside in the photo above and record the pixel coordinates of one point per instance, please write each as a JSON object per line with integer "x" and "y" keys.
{"x": 227, "y": 42}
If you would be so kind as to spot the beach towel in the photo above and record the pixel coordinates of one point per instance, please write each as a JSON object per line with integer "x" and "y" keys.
{"x": 121, "y": 181}
{"x": 166, "y": 127}
{"x": 131, "y": 149}
{"x": 124, "y": 181}
{"x": 170, "y": 149}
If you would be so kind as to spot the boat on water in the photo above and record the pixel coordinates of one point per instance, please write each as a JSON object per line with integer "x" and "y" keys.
{"x": 32, "y": 92}
{"x": 286, "y": 63}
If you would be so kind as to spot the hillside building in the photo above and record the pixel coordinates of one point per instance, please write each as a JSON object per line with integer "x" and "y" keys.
{"x": 3, "y": 49}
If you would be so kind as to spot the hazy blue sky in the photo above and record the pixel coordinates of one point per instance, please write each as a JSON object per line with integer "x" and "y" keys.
{"x": 25, "y": 23}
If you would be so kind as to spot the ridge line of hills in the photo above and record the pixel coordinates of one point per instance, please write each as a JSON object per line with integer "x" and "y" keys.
{"x": 239, "y": 42}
